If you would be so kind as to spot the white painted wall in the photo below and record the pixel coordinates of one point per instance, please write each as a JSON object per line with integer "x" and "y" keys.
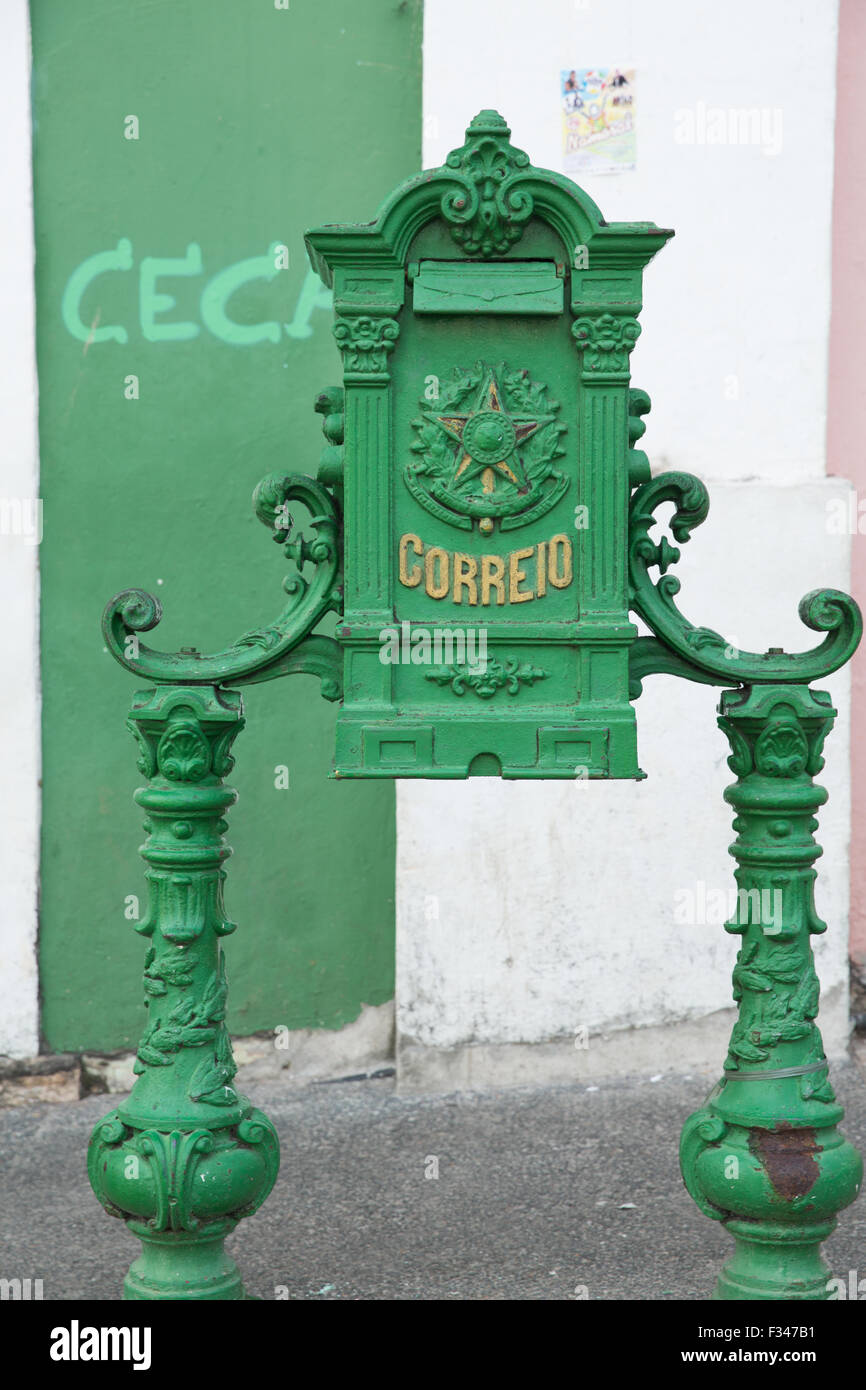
{"x": 557, "y": 901}
{"x": 744, "y": 287}
{"x": 19, "y": 484}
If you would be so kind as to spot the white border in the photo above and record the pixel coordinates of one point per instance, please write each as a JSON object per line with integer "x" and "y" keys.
{"x": 20, "y": 751}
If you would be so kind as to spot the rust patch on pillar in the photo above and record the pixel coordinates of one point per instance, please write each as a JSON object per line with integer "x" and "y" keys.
{"x": 789, "y": 1158}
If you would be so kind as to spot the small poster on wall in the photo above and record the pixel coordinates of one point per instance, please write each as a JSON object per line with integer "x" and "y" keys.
{"x": 598, "y": 120}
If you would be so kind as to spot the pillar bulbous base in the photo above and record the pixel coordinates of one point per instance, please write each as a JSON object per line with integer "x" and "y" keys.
{"x": 181, "y": 1193}
{"x": 777, "y": 1191}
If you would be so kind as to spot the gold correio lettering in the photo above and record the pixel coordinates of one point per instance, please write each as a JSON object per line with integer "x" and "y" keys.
{"x": 436, "y": 588}
{"x": 412, "y": 577}
{"x": 482, "y": 580}
{"x": 559, "y": 571}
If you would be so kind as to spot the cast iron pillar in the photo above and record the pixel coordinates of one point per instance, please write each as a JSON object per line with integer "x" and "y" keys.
{"x": 184, "y": 1157}
{"x": 764, "y": 1155}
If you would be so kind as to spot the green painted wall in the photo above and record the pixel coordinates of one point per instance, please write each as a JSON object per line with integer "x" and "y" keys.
{"x": 254, "y": 124}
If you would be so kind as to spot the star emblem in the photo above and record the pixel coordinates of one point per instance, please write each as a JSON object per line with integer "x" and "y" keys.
{"x": 490, "y": 439}
{"x": 486, "y": 454}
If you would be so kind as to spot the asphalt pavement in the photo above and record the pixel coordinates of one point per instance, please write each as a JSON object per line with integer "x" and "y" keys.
{"x": 553, "y": 1193}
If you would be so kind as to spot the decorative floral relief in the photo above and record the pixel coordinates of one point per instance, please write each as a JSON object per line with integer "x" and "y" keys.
{"x": 607, "y": 340}
{"x": 211, "y": 1077}
{"x": 146, "y": 762}
{"x": 169, "y": 969}
{"x": 486, "y": 681}
{"x": 488, "y": 209}
{"x": 175, "y": 1157}
{"x": 182, "y": 753}
{"x": 740, "y": 761}
{"x": 781, "y": 750}
{"x": 187, "y": 1024}
{"x": 264, "y": 637}
{"x": 365, "y": 342}
{"x": 777, "y": 990}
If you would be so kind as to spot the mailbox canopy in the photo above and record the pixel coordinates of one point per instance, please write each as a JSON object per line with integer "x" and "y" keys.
{"x": 485, "y": 320}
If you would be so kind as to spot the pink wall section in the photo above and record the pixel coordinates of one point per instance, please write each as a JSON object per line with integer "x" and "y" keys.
{"x": 846, "y": 425}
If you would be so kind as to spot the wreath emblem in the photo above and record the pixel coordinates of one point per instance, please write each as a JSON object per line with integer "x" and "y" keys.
{"x": 485, "y": 450}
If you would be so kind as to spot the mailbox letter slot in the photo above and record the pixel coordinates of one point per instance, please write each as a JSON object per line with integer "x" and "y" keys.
{"x": 511, "y": 287}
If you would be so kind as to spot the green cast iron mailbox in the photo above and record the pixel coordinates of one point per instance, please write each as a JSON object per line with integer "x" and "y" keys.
{"x": 481, "y": 525}
{"x": 485, "y": 321}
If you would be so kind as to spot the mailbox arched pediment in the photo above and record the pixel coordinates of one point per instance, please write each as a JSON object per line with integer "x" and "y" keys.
{"x": 487, "y": 195}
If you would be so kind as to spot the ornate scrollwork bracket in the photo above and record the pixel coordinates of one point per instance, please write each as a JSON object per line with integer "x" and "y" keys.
{"x": 282, "y": 647}
{"x": 698, "y": 653}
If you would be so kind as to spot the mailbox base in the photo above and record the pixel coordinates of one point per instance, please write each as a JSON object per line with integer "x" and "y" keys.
{"x": 522, "y": 749}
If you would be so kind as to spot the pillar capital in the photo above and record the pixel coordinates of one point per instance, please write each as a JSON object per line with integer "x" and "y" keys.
{"x": 605, "y": 341}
